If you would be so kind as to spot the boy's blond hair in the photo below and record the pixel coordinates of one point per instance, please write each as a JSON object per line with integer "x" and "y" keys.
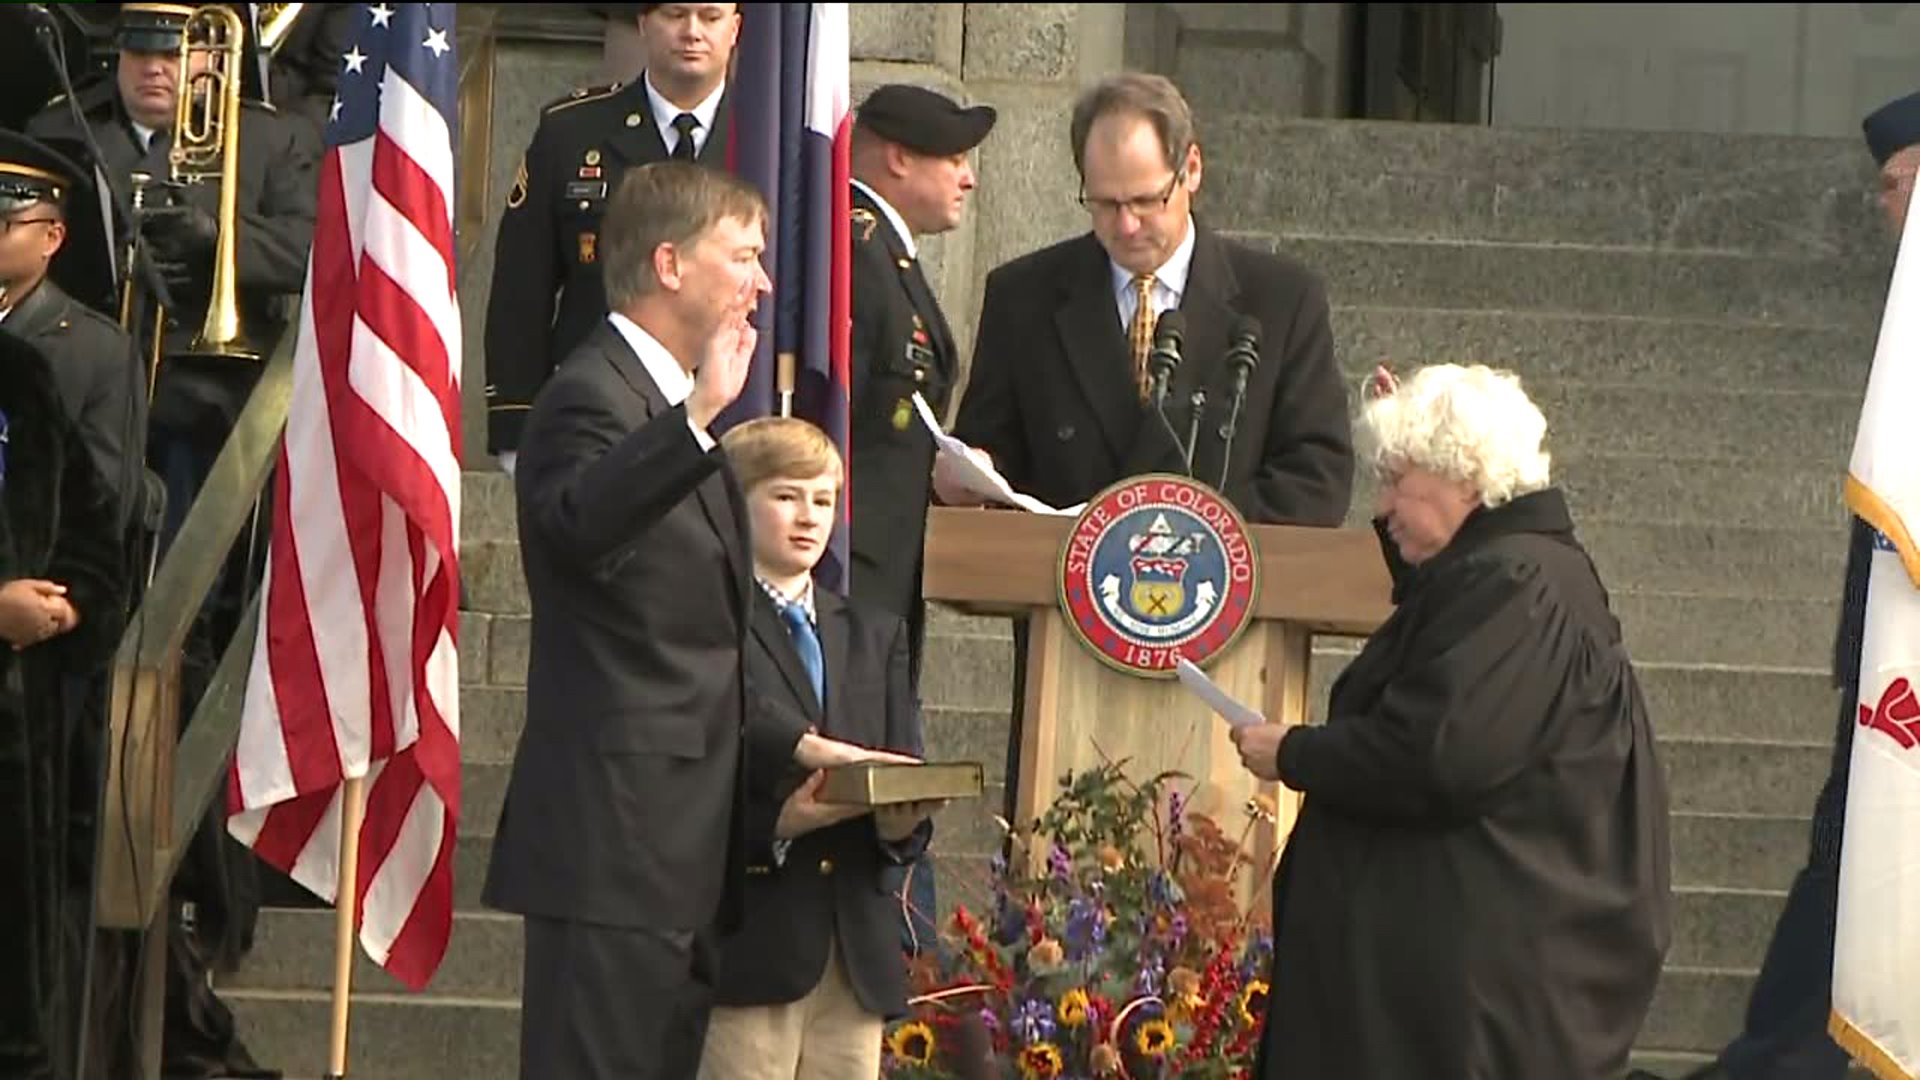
{"x": 780, "y": 448}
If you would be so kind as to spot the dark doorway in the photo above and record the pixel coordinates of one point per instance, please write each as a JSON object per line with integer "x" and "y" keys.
{"x": 1424, "y": 62}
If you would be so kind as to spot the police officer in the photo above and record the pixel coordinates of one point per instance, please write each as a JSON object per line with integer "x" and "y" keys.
{"x": 63, "y": 575}
{"x": 92, "y": 360}
{"x": 195, "y": 399}
{"x": 546, "y": 291}
{"x": 911, "y": 178}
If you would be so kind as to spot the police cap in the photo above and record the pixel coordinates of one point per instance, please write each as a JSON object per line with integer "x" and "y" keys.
{"x": 31, "y": 172}
{"x": 924, "y": 121}
{"x": 151, "y": 27}
{"x": 1893, "y": 127}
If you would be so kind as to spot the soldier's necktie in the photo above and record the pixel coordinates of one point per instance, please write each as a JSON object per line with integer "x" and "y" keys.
{"x": 684, "y": 125}
{"x": 807, "y": 643}
{"x": 1140, "y": 335}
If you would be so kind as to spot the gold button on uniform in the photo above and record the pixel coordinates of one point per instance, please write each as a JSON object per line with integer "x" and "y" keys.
{"x": 826, "y": 867}
{"x": 633, "y": 119}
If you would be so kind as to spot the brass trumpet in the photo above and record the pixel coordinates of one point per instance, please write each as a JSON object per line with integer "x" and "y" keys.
{"x": 206, "y": 146}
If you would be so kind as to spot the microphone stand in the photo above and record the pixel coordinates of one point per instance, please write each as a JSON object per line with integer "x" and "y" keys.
{"x": 1199, "y": 403}
{"x": 1228, "y": 429}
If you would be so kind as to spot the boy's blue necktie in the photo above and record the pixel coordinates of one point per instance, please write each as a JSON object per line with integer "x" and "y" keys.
{"x": 807, "y": 642}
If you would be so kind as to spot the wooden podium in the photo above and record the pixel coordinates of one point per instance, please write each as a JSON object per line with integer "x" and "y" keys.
{"x": 1080, "y": 711}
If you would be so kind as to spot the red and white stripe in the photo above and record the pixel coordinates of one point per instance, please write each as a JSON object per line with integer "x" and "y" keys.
{"x": 355, "y": 671}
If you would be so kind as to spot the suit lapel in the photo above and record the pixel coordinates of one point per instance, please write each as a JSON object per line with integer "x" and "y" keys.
{"x": 637, "y": 142}
{"x": 913, "y": 280}
{"x": 778, "y": 641}
{"x": 1088, "y": 320}
{"x": 835, "y": 636}
{"x": 1207, "y": 304}
{"x": 714, "y": 151}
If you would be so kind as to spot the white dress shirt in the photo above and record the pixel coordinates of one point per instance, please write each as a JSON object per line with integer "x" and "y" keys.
{"x": 893, "y": 216}
{"x": 664, "y": 111}
{"x": 1169, "y": 282}
{"x": 673, "y": 380}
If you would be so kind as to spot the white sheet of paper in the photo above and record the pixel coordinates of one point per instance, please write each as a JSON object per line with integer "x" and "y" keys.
{"x": 1217, "y": 699}
{"x": 957, "y": 464}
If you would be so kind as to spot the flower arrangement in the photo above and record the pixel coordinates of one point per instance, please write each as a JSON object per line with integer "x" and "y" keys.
{"x": 1128, "y": 957}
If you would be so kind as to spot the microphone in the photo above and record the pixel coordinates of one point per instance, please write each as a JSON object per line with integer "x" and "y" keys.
{"x": 1243, "y": 353}
{"x": 1169, "y": 335}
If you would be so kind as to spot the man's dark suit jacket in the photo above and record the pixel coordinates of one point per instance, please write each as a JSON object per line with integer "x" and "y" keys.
{"x": 624, "y": 808}
{"x": 547, "y": 294}
{"x": 1051, "y": 394}
{"x": 901, "y": 345}
{"x": 832, "y": 881}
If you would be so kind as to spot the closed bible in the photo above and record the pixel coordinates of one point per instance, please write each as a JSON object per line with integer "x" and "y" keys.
{"x": 871, "y": 783}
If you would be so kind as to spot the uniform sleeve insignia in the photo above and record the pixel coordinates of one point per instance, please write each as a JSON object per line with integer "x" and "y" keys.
{"x": 580, "y": 95}
{"x": 517, "y": 194}
{"x": 864, "y": 220}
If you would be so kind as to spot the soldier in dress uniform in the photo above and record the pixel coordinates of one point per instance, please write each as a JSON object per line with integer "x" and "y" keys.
{"x": 911, "y": 178}
{"x": 546, "y": 291}
{"x": 62, "y": 607}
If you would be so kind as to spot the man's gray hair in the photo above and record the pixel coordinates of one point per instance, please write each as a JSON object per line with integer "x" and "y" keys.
{"x": 1154, "y": 97}
{"x": 1471, "y": 424}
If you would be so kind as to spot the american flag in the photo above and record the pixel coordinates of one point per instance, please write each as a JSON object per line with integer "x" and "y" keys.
{"x": 789, "y": 134}
{"x": 355, "y": 672}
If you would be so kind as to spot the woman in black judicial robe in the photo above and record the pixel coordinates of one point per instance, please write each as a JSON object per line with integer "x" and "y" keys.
{"x": 1477, "y": 885}
{"x": 59, "y": 526}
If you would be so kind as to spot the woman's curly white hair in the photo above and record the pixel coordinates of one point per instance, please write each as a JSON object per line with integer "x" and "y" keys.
{"x": 1471, "y": 424}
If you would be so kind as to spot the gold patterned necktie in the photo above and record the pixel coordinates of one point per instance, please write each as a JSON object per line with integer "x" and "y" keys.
{"x": 1140, "y": 335}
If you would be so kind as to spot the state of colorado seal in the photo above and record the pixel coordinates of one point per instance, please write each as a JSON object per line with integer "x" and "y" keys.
{"x": 1158, "y": 568}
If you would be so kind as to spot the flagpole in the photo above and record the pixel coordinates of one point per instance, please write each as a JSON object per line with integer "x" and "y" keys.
{"x": 784, "y": 374}
{"x": 352, "y": 807}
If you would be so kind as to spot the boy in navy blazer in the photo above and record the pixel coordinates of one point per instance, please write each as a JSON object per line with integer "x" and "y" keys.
{"x": 805, "y": 986}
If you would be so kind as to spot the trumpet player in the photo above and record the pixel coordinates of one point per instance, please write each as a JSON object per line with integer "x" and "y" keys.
{"x": 196, "y": 398}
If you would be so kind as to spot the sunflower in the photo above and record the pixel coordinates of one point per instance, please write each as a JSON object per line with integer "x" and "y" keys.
{"x": 1253, "y": 1001}
{"x": 1154, "y": 1038}
{"x": 1073, "y": 1008}
{"x": 912, "y": 1042}
{"x": 1041, "y": 1061}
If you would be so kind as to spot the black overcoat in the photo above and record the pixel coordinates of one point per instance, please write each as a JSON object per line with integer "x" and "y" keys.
{"x": 1477, "y": 885}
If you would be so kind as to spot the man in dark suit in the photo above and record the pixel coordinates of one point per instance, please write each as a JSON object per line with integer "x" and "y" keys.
{"x": 1058, "y": 391}
{"x": 1059, "y": 394}
{"x": 808, "y": 980}
{"x": 620, "y": 837}
{"x": 547, "y": 293}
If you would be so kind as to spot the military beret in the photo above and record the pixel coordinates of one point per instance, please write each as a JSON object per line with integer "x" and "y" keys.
{"x": 32, "y": 172}
{"x": 923, "y": 121}
{"x": 1893, "y": 127}
{"x": 151, "y": 27}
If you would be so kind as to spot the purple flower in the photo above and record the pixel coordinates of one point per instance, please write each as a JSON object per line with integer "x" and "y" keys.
{"x": 1034, "y": 1022}
{"x": 1086, "y": 930}
{"x": 1176, "y": 811}
{"x": 1179, "y": 928}
{"x": 990, "y": 1020}
{"x": 1060, "y": 863}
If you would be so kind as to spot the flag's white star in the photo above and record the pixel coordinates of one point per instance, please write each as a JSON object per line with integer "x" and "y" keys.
{"x": 333, "y": 114}
{"x": 437, "y": 41}
{"x": 355, "y": 60}
{"x": 382, "y": 14}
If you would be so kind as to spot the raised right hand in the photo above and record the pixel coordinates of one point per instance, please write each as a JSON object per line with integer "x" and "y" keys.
{"x": 723, "y": 371}
{"x": 803, "y": 812}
